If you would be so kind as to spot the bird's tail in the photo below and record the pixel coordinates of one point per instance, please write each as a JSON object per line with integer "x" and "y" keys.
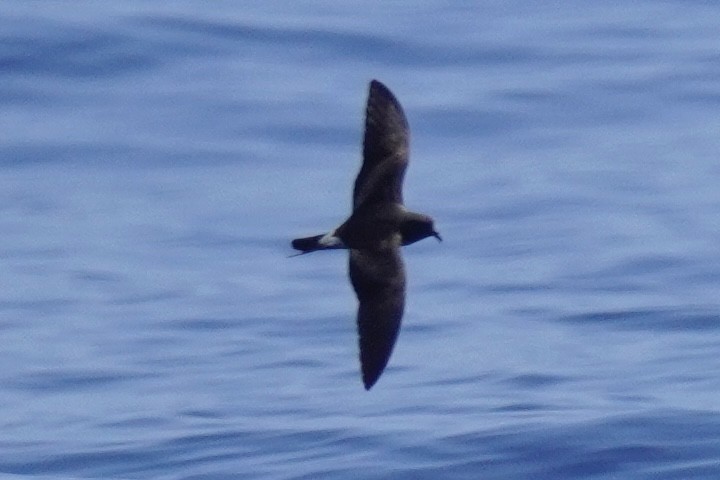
{"x": 307, "y": 244}
{"x": 317, "y": 242}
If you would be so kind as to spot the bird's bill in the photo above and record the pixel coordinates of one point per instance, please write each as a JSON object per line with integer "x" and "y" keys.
{"x": 437, "y": 235}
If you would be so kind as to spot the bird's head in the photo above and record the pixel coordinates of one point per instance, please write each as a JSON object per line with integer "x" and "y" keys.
{"x": 417, "y": 227}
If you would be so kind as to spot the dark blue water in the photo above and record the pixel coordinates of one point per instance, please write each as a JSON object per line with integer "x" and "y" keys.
{"x": 156, "y": 159}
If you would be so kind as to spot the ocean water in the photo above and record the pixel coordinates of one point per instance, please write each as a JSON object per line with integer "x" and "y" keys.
{"x": 156, "y": 158}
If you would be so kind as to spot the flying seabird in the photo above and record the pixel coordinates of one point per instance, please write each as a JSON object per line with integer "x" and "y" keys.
{"x": 378, "y": 226}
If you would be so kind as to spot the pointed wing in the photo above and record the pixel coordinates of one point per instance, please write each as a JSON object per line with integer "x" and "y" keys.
{"x": 378, "y": 277}
{"x": 385, "y": 149}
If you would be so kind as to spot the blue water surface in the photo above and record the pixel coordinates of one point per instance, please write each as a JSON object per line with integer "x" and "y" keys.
{"x": 157, "y": 157}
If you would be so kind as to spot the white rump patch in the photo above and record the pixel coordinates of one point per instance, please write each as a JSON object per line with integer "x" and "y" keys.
{"x": 331, "y": 241}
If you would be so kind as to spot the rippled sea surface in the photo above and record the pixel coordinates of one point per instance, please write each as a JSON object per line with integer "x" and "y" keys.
{"x": 157, "y": 157}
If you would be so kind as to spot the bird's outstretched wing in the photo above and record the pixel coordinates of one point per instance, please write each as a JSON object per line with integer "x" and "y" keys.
{"x": 385, "y": 149}
{"x": 378, "y": 277}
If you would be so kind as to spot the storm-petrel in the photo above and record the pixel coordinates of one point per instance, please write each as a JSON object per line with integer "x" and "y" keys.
{"x": 378, "y": 226}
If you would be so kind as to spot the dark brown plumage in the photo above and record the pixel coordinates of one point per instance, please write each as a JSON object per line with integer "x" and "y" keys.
{"x": 378, "y": 227}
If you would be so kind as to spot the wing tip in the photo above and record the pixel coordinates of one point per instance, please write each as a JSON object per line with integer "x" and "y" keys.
{"x": 371, "y": 372}
{"x": 378, "y": 85}
{"x": 379, "y": 89}
{"x": 383, "y": 107}
{"x": 370, "y": 380}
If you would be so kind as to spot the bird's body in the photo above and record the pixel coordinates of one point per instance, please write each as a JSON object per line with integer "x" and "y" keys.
{"x": 379, "y": 225}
